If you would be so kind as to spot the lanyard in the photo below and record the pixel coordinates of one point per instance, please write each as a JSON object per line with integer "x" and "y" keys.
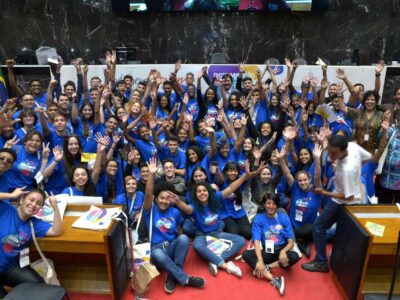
{"x": 132, "y": 202}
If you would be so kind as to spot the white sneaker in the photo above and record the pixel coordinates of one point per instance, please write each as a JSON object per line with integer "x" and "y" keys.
{"x": 297, "y": 250}
{"x": 234, "y": 269}
{"x": 213, "y": 269}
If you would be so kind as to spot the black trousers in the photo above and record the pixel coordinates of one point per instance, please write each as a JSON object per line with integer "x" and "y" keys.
{"x": 239, "y": 226}
{"x": 385, "y": 195}
{"x": 17, "y": 275}
{"x": 304, "y": 232}
{"x": 250, "y": 257}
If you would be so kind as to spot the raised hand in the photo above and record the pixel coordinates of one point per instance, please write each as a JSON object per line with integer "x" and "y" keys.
{"x": 85, "y": 69}
{"x": 152, "y": 122}
{"x": 209, "y": 121}
{"x": 379, "y": 67}
{"x": 10, "y": 63}
{"x": 324, "y": 83}
{"x": 53, "y": 201}
{"x": 185, "y": 99}
{"x": 243, "y": 102}
{"x": 116, "y": 138}
{"x": 18, "y": 192}
{"x": 288, "y": 62}
{"x": 243, "y": 119}
{"x": 256, "y": 153}
{"x": 172, "y": 198}
{"x": 45, "y": 150}
{"x": 324, "y": 67}
{"x": 304, "y": 117}
{"x": 242, "y": 68}
{"x": 289, "y": 133}
{"x": 152, "y": 164}
{"x": 385, "y": 125}
{"x": 188, "y": 118}
{"x": 340, "y": 74}
{"x": 386, "y": 115}
{"x": 131, "y": 155}
{"x": 178, "y": 65}
{"x": 58, "y": 153}
{"x": 282, "y": 154}
{"x": 290, "y": 111}
{"x": 77, "y": 65}
{"x": 12, "y": 142}
{"x": 317, "y": 152}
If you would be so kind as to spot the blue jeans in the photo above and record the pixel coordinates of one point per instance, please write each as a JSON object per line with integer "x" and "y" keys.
{"x": 17, "y": 275}
{"x": 325, "y": 220}
{"x": 200, "y": 246}
{"x": 170, "y": 257}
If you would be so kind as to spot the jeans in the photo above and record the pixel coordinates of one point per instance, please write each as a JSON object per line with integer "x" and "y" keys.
{"x": 240, "y": 226}
{"x": 17, "y": 275}
{"x": 188, "y": 227}
{"x": 170, "y": 257}
{"x": 200, "y": 246}
{"x": 325, "y": 220}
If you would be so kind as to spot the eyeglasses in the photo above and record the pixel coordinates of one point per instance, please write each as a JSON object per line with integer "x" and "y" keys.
{"x": 35, "y": 141}
{"x": 6, "y": 160}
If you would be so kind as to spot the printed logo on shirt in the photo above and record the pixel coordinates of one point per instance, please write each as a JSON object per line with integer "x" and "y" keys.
{"x": 164, "y": 224}
{"x": 13, "y": 241}
{"x": 273, "y": 232}
{"x": 27, "y": 167}
{"x": 302, "y": 204}
{"x": 211, "y": 219}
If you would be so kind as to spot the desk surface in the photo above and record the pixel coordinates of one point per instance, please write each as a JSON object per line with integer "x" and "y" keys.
{"x": 76, "y": 240}
{"x": 390, "y": 219}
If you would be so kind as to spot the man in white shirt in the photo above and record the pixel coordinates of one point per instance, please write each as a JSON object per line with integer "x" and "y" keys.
{"x": 348, "y": 190}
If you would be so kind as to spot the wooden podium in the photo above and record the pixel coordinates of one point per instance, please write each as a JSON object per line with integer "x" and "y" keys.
{"x": 87, "y": 260}
{"x": 361, "y": 262}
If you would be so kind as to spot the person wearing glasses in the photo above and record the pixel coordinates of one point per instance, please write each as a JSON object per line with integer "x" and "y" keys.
{"x": 7, "y": 158}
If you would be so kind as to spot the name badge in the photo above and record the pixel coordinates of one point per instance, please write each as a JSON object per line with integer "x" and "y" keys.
{"x": 39, "y": 177}
{"x": 24, "y": 258}
{"x": 269, "y": 246}
{"x": 299, "y": 216}
{"x": 366, "y": 137}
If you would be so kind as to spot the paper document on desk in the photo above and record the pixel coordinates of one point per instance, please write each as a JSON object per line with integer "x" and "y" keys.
{"x": 375, "y": 229}
{"x": 46, "y": 213}
{"x": 97, "y": 218}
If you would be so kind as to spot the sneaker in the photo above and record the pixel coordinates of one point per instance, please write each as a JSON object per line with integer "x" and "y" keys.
{"x": 169, "y": 285}
{"x": 314, "y": 266}
{"x": 196, "y": 282}
{"x": 279, "y": 283}
{"x": 213, "y": 269}
{"x": 296, "y": 248}
{"x": 234, "y": 269}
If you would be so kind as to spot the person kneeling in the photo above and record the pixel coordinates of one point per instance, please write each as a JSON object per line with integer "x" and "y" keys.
{"x": 271, "y": 229}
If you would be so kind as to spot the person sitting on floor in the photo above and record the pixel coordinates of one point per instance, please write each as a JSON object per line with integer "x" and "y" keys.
{"x": 273, "y": 230}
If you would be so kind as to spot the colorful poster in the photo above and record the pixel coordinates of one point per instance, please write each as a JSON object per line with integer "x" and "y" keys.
{"x": 97, "y": 218}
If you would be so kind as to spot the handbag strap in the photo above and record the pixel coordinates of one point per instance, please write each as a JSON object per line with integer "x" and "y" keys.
{"x": 50, "y": 271}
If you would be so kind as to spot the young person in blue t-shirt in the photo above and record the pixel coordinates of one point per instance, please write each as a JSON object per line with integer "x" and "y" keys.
{"x": 82, "y": 184}
{"x": 16, "y": 235}
{"x": 205, "y": 210}
{"x": 273, "y": 239}
{"x": 133, "y": 198}
{"x": 168, "y": 248}
{"x": 304, "y": 203}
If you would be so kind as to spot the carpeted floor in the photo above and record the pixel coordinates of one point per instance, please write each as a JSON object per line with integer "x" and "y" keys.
{"x": 299, "y": 285}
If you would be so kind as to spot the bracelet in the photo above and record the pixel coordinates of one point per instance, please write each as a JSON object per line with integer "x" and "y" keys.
{"x": 377, "y": 75}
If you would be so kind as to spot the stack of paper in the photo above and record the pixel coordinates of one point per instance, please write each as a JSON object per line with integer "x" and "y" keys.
{"x": 375, "y": 229}
{"x": 97, "y": 218}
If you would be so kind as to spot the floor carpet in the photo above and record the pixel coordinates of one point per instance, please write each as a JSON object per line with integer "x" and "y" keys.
{"x": 299, "y": 285}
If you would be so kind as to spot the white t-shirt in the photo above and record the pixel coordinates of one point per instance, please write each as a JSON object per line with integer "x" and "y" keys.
{"x": 348, "y": 174}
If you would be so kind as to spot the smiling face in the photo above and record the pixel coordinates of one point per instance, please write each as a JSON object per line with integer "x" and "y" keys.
{"x": 80, "y": 177}
{"x": 182, "y": 135}
{"x": 247, "y": 146}
{"x": 265, "y": 175}
{"x": 247, "y": 85}
{"x": 173, "y": 146}
{"x": 31, "y": 204}
{"x": 73, "y": 145}
{"x": 111, "y": 125}
{"x": 135, "y": 97}
{"x": 6, "y": 162}
{"x": 59, "y": 123}
{"x": 169, "y": 170}
{"x": 303, "y": 180}
{"x": 131, "y": 186}
{"x": 225, "y": 149}
{"x": 144, "y": 133}
{"x": 36, "y": 87}
{"x": 210, "y": 95}
{"x": 162, "y": 200}
{"x": 199, "y": 176}
{"x": 69, "y": 90}
{"x": 266, "y": 129}
{"x": 28, "y": 101}
{"x": 202, "y": 194}
{"x": 144, "y": 173}
{"x": 370, "y": 102}
{"x": 234, "y": 100}
{"x": 270, "y": 207}
{"x": 304, "y": 156}
{"x": 232, "y": 174}
{"x": 87, "y": 111}
{"x": 28, "y": 119}
{"x": 164, "y": 102}
{"x": 33, "y": 144}
{"x": 274, "y": 100}
{"x": 136, "y": 108}
{"x": 112, "y": 168}
{"x": 192, "y": 155}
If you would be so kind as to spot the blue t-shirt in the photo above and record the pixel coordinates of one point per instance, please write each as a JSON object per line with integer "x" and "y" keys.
{"x": 24, "y": 169}
{"x": 147, "y": 149}
{"x": 57, "y": 181}
{"x": 179, "y": 158}
{"x": 102, "y": 186}
{"x": 277, "y": 228}
{"x": 207, "y": 220}
{"x": 165, "y": 223}
{"x": 367, "y": 177}
{"x": 15, "y": 234}
{"x": 230, "y": 208}
{"x": 304, "y": 206}
{"x": 72, "y": 191}
{"x": 204, "y": 141}
{"x": 133, "y": 206}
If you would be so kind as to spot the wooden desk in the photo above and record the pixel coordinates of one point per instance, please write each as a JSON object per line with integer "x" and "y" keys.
{"x": 378, "y": 264}
{"x": 82, "y": 257}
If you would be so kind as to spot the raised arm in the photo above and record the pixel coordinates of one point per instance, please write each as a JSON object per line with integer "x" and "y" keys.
{"x": 58, "y": 156}
{"x": 17, "y": 91}
{"x": 239, "y": 141}
{"x": 285, "y": 169}
{"x": 378, "y": 70}
{"x": 148, "y": 196}
{"x": 43, "y": 121}
{"x": 85, "y": 92}
{"x": 50, "y": 92}
{"x": 317, "y": 153}
{"x": 383, "y": 140}
{"x": 56, "y": 228}
{"x": 101, "y": 149}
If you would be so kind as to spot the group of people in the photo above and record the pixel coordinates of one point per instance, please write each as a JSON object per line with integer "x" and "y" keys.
{"x": 251, "y": 161}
